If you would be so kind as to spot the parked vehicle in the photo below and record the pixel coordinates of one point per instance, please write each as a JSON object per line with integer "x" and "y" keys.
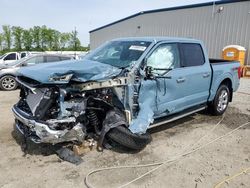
{"x": 9, "y": 57}
{"x": 12, "y": 56}
{"x": 8, "y": 71}
{"x": 122, "y": 89}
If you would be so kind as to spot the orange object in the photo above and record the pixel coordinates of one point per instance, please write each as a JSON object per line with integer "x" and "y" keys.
{"x": 85, "y": 147}
{"x": 234, "y": 53}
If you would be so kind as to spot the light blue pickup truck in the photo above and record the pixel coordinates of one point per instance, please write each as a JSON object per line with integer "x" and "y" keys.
{"x": 122, "y": 89}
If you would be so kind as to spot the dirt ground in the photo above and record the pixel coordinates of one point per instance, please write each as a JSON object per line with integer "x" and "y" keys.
{"x": 204, "y": 168}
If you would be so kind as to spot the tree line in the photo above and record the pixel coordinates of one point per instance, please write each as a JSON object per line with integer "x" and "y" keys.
{"x": 38, "y": 38}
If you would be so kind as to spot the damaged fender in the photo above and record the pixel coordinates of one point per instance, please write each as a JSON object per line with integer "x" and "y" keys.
{"x": 147, "y": 103}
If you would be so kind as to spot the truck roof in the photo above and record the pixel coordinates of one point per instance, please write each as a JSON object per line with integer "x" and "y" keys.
{"x": 159, "y": 39}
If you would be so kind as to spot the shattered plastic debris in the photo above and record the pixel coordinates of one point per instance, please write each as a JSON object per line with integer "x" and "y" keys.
{"x": 68, "y": 155}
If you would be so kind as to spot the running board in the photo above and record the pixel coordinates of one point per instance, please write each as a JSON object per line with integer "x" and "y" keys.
{"x": 174, "y": 117}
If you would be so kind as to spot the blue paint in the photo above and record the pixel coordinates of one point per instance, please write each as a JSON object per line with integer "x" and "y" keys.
{"x": 156, "y": 97}
{"x": 82, "y": 70}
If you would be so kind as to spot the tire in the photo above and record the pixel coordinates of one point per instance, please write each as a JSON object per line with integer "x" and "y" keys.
{"x": 124, "y": 137}
{"x": 8, "y": 83}
{"x": 220, "y": 102}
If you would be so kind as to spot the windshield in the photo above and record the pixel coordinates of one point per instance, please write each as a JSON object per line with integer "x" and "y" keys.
{"x": 1, "y": 56}
{"x": 120, "y": 54}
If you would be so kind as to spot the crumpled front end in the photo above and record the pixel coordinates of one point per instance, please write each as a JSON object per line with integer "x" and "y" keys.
{"x": 42, "y": 133}
{"x": 55, "y": 114}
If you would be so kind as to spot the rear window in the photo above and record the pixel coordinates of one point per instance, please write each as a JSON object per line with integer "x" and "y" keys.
{"x": 192, "y": 55}
{"x": 23, "y": 55}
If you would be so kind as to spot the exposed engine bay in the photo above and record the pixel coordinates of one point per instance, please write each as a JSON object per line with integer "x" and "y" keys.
{"x": 70, "y": 114}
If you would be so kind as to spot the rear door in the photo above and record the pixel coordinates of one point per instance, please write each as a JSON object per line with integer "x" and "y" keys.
{"x": 194, "y": 75}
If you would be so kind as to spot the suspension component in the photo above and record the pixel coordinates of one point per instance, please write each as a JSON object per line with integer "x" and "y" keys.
{"x": 94, "y": 121}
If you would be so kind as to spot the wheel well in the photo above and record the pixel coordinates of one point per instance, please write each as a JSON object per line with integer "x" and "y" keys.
{"x": 228, "y": 83}
{"x": 7, "y": 75}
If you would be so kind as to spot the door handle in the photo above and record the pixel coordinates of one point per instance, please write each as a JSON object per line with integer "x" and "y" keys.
{"x": 205, "y": 75}
{"x": 180, "y": 80}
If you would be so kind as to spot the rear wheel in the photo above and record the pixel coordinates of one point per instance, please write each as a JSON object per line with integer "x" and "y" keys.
{"x": 221, "y": 100}
{"x": 8, "y": 83}
{"x": 124, "y": 137}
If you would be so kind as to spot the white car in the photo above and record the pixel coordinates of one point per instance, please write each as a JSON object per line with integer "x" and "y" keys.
{"x": 12, "y": 56}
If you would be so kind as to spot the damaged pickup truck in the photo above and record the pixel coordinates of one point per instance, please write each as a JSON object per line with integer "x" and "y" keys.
{"x": 121, "y": 90}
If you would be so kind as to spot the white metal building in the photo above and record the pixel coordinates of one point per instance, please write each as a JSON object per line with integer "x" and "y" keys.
{"x": 218, "y": 24}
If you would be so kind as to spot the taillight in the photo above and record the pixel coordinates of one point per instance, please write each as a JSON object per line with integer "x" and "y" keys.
{"x": 239, "y": 72}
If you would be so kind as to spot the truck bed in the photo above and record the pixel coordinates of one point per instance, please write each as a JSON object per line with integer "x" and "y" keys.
{"x": 222, "y": 69}
{"x": 214, "y": 61}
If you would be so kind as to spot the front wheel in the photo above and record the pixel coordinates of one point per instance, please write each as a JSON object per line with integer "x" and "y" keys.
{"x": 221, "y": 100}
{"x": 125, "y": 138}
{"x": 8, "y": 83}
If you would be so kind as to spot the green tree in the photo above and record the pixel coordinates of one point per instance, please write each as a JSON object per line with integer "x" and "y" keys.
{"x": 27, "y": 39}
{"x": 45, "y": 37}
{"x": 64, "y": 40}
{"x": 56, "y": 40}
{"x": 1, "y": 42}
{"x": 38, "y": 38}
{"x": 36, "y": 34}
{"x": 50, "y": 38}
{"x": 17, "y": 34}
{"x": 75, "y": 43}
{"x": 7, "y": 36}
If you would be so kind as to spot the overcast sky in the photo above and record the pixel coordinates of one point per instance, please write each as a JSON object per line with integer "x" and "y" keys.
{"x": 85, "y": 15}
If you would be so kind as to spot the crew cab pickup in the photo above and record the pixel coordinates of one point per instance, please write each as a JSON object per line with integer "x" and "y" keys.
{"x": 12, "y": 56}
{"x": 122, "y": 89}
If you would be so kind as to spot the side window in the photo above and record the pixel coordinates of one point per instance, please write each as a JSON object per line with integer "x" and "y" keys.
{"x": 11, "y": 56}
{"x": 23, "y": 55}
{"x": 34, "y": 60}
{"x": 31, "y": 61}
{"x": 39, "y": 59}
{"x": 65, "y": 58}
{"x": 192, "y": 55}
{"x": 165, "y": 56}
{"x": 52, "y": 58}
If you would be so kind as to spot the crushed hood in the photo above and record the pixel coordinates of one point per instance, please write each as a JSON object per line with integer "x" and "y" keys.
{"x": 63, "y": 72}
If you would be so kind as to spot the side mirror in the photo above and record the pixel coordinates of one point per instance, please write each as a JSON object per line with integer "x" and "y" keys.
{"x": 23, "y": 64}
{"x": 149, "y": 71}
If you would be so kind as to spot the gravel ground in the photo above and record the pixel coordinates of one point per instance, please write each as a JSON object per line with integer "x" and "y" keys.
{"x": 204, "y": 168}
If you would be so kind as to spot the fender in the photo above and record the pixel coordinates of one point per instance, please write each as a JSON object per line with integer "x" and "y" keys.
{"x": 7, "y": 74}
{"x": 216, "y": 82}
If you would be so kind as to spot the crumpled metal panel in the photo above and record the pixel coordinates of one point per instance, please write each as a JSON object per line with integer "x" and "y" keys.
{"x": 147, "y": 104}
{"x": 82, "y": 70}
{"x": 33, "y": 100}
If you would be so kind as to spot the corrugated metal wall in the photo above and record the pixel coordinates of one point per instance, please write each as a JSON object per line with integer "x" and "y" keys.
{"x": 216, "y": 29}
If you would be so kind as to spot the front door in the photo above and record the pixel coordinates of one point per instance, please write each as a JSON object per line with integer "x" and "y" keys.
{"x": 168, "y": 92}
{"x": 11, "y": 57}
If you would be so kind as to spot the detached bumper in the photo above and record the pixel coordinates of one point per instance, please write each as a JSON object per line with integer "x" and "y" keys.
{"x": 42, "y": 133}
